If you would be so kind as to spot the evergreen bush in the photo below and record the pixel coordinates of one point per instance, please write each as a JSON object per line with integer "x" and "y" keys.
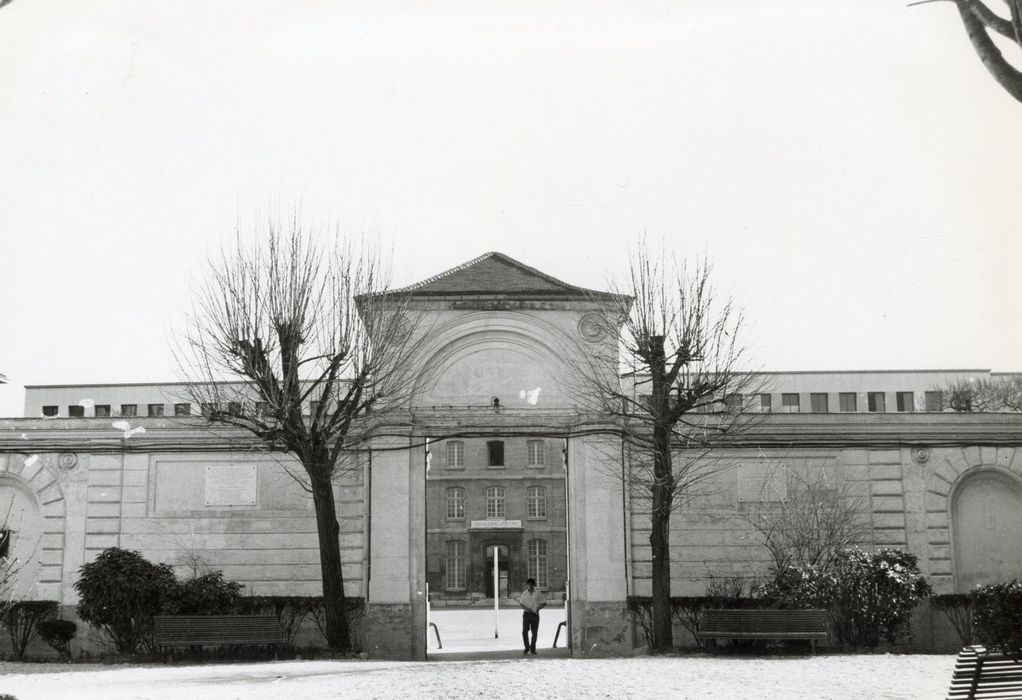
{"x": 997, "y": 611}
{"x": 208, "y": 594}
{"x": 58, "y": 634}
{"x": 869, "y": 594}
{"x": 120, "y": 593}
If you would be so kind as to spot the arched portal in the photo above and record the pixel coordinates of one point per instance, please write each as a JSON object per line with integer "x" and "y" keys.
{"x": 20, "y": 534}
{"x": 987, "y": 518}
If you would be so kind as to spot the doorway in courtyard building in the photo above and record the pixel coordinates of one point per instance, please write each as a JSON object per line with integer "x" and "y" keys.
{"x": 496, "y": 515}
{"x": 497, "y": 571}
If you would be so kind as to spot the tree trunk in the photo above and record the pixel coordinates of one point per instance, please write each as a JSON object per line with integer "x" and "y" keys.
{"x": 338, "y": 637}
{"x": 660, "y": 541}
{"x": 663, "y": 494}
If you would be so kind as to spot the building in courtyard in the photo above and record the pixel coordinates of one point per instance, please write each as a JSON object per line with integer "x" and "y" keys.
{"x": 493, "y": 469}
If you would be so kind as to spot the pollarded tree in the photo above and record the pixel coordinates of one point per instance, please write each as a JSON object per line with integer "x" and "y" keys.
{"x": 980, "y": 20}
{"x": 684, "y": 389}
{"x": 298, "y": 323}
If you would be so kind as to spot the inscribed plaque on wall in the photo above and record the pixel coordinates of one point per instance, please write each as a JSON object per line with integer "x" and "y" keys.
{"x": 231, "y": 484}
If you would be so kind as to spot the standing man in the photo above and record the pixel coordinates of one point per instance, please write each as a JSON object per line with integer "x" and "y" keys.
{"x": 531, "y": 601}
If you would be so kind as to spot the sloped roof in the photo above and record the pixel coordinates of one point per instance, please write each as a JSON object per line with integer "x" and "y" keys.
{"x": 496, "y": 274}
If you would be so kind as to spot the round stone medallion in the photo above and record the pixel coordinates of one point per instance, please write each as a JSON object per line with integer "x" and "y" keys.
{"x": 592, "y": 328}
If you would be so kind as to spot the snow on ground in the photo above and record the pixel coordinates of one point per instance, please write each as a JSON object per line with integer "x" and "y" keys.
{"x": 796, "y": 677}
{"x": 503, "y": 672}
{"x": 473, "y": 630}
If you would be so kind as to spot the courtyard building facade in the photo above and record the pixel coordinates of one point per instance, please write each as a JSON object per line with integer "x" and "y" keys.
{"x": 492, "y": 474}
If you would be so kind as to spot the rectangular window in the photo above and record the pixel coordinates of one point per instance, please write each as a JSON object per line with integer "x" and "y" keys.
{"x": 455, "y": 565}
{"x": 734, "y": 403}
{"x": 155, "y": 410}
{"x": 537, "y": 562}
{"x": 456, "y": 503}
{"x": 262, "y": 408}
{"x": 495, "y": 453}
{"x": 789, "y": 403}
{"x": 182, "y": 409}
{"x": 76, "y": 411}
{"x": 207, "y": 409}
{"x": 876, "y": 402}
{"x": 129, "y": 409}
{"x": 765, "y": 405}
{"x": 455, "y": 454}
{"x": 906, "y": 401}
{"x": 51, "y": 410}
{"x": 495, "y": 504}
{"x": 313, "y": 407}
{"x": 818, "y": 403}
{"x": 848, "y": 402}
{"x": 536, "y": 453}
{"x": 535, "y": 502}
{"x": 233, "y": 408}
{"x": 934, "y": 401}
{"x": 102, "y": 410}
{"x": 5, "y": 543}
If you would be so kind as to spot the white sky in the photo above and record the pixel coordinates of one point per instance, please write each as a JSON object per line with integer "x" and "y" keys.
{"x": 849, "y": 166}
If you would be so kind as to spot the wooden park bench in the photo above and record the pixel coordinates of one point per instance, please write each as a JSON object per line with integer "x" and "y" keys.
{"x": 764, "y": 624}
{"x": 980, "y": 674}
{"x": 217, "y": 630}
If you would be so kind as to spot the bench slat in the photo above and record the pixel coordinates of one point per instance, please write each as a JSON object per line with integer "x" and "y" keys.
{"x": 979, "y": 674}
{"x": 811, "y": 625}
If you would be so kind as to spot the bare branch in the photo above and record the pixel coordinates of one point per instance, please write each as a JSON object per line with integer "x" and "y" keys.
{"x": 294, "y": 340}
{"x": 685, "y": 386}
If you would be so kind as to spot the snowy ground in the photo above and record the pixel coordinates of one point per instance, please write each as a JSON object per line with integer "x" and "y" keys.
{"x": 503, "y": 673}
{"x": 870, "y": 677}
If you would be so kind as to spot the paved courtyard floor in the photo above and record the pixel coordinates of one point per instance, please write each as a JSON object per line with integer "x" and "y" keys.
{"x": 820, "y": 677}
{"x": 474, "y": 630}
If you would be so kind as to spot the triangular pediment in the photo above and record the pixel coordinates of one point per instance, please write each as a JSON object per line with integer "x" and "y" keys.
{"x": 496, "y": 274}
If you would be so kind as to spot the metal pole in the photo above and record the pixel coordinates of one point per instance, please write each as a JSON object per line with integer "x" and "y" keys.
{"x": 496, "y": 592}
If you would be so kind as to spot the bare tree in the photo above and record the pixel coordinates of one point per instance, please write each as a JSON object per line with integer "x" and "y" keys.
{"x": 993, "y": 395}
{"x": 299, "y": 323}
{"x": 980, "y": 20}
{"x": 814, "y": 519}
{"x": 683, "y": 390}
{"x": 11, "y": 564}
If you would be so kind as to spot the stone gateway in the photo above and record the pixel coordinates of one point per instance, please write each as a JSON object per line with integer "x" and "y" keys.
{"x": 494, "y": 475}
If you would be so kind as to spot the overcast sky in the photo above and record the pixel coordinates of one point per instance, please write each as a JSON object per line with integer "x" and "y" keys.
{"x": 849, "y": 167}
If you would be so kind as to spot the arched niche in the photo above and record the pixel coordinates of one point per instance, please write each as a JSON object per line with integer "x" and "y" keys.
{"x": 518, "y": 359}
{"x": 986, "y": 512}
{"x": 21, "y": 528}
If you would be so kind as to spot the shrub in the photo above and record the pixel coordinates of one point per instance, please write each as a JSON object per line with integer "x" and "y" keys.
{"x": 58, "y": 634}
{"x": 688, "y": 610}
{"x": 120, "y": 592}
{"x": 957, "y": 609}
{"x": 208, "y": 594}
{"x": 998, "y": 616}
{"x": 874, "y": 595}
{"x": 798, "y": 587}
{"x": 869, "y": 595}
{"x": 291, "y": 611}
{"x": 22, "y": 620}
